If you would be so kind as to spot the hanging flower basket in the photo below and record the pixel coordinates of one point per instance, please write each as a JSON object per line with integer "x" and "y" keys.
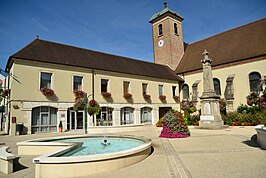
{"x": 47, "y": 91}
{"x": 162, "y": 97}
{"x": 127, "y": 95}
{"x": 176, "y": 98}
{"x": 147, "y": 97}
{"x": 79, "y": 93}
{"x": 93, "y": 108}
{"x": 79, "y": 106}
{"x": 5, "y": 93}
{"x": 106, "y": 94}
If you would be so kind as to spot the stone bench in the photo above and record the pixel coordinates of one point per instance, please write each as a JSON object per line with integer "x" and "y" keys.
{"x": 6, "y": 160}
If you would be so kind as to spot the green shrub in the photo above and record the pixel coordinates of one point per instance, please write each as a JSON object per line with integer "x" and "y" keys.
{"x": 159, "y": 123}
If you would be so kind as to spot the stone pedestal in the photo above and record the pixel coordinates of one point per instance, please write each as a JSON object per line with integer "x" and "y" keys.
{"x": 210, "y": 115}
{"x": 210, "y": 111}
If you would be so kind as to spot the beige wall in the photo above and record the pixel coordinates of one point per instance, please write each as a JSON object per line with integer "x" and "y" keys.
{"x": 25, "y": 92}
{"x": 240, "y": 83}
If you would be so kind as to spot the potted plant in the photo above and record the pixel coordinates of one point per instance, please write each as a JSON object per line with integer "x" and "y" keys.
{"x": 106, "y": 94}
{"x": 147, "y": 97}
{"x": 93, "y": 108}
{"x": 176, "y": 98}
{"x": 127, "y": 95}
{"x": 47, "y": 91}
{"x": 162, "y": 97}
{"x": 60, "y": 127}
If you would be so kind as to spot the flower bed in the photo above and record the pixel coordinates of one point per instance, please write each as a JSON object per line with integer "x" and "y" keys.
{"x": 174, "y": 126}
{"x": 47, "y": 91}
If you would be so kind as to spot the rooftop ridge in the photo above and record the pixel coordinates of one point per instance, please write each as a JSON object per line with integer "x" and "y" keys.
{"x": 233, "y": 29}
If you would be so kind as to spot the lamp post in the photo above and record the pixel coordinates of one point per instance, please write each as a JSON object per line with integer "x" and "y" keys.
{"x": 86, "y": 112}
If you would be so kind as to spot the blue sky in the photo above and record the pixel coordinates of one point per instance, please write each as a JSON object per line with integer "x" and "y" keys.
{"x": 118, "y": 27}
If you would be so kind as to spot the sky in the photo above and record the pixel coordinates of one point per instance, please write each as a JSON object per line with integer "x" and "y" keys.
{"x": 119, "y": 27}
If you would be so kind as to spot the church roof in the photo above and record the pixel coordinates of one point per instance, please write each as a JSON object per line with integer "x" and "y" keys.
{"x": 241, "y": 43}
{"x": 50, "y": 52}
{"x": 162, "y": 12}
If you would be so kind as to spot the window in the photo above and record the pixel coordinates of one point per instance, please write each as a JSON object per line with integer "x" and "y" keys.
{"x": 144, "y": 88}
{"x": 185, "y": 90}
{"x": 229, "y": 88}
{"x": 174, "y": 90}
{"x": 104, "y": 85}
{"x": 160, "y": 28}
{"x": 45, "y": 80}
{"x": 126, "y": 87}
{"x": 77, "y": 83}
{"x": 105, "y": 118}
{"x": 160, "y": 90}
{"x": 217, "y": 88}
{"x": 195, "y": 91}
{"x": 146, "y": 115}
{"x": 254, "y": 82}
{"x": 127, "y": 116}
{"x": 175, "y": 29}
{"x": 44, "y": 119}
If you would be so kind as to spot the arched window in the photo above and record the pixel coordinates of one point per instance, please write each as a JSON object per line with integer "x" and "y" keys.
{"x": 43, "y": 119}
{"x": 127, "y": 116}
{"x": 217, "y": 87}
{"x": 185, "y": 90}
{"x": 146, "y": 115}
{"x": 175, "y": 29}
{"x": 254, "y": 81}
{"x": 160, "y": 28}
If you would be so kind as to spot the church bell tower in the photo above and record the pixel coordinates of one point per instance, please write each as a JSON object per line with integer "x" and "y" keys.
{"x": 168, "y": 46}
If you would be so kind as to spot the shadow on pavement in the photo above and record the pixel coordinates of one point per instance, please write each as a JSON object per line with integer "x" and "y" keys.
{"x": 17, "y": 166}
{"x": 252, "y": 142}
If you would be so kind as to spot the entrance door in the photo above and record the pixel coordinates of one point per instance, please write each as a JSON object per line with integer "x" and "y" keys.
{"x": 163, "y": 110}
{"x": 76, "y": 119}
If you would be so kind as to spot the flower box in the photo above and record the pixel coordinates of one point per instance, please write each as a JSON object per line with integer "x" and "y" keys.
{"x": 147, "y": 97}
{"x": 106, "y": 94}
{"x": 176, "y": 98}
{"x": 162, "y": 97}
{"x": 79, "y": 93}
{"x": 47, "y": 91}
{"x": 127, "y": 95}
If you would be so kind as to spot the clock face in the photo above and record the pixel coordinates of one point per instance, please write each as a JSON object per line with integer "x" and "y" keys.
{"x": 160, "y": 43}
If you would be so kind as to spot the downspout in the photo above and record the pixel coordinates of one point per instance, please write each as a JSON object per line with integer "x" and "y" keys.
{"x": 8, "y": 104}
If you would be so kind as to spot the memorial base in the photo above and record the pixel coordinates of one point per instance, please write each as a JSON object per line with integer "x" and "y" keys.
{"x": 211, "y": 122}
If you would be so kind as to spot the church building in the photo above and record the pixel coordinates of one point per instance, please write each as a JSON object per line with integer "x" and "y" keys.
{"x": 130, "y": 92}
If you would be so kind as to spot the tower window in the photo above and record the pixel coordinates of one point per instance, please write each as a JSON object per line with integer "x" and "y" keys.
{"x": 160, "y": 27}
{"x": 175, "y": 29}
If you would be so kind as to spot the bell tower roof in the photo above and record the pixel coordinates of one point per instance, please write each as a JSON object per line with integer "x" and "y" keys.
{"x": 165, "y": 10}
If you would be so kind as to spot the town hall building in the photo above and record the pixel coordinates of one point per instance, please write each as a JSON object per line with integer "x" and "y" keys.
{"x": 130, "y": 92}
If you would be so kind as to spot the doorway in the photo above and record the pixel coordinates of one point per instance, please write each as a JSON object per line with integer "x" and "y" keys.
{"x": 163, "y": 110}
{"x": 75, "y": 120}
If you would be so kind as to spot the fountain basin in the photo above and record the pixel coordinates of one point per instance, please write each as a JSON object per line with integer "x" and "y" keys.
{"x": 58, "y": 162}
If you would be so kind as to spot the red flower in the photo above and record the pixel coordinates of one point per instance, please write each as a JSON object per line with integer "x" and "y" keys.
{"x": 162, "y": 97}
{"x": 106, "y": 94}
{"x": 127, "y": 95}
{"x": 47, "y": 91}
{"x": 147, "y": 97}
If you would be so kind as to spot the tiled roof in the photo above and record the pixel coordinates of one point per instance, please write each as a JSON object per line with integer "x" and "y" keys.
{"x": 50, "y": 52}
{"x": 235, "y": 45}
